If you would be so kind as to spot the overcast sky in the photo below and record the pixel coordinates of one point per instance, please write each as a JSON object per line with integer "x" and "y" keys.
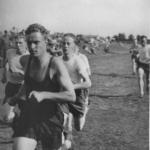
{"x": 101, "y": 17}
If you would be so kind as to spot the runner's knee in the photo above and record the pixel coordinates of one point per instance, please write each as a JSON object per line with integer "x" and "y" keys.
{"x": 23, "y": 143}
{"x": 140, "y": 73}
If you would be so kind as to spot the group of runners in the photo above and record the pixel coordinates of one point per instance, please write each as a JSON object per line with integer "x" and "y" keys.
{"x": 140, "y": 56}
{"x": 47, "y": 86}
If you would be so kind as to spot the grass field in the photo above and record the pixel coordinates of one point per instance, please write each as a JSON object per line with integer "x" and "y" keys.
{"x": 118, "y": 118}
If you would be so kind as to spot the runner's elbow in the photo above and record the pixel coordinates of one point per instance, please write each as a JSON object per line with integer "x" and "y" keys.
{"x": 89, "y": 84}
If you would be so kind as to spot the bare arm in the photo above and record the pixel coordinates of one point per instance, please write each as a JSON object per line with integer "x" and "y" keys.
{"x": 85, "y": 76}
{"x": 86, "y": 82}
{"x": 67, "y": 93}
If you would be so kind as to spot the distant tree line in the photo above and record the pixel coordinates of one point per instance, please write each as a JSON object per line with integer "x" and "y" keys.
{"x": 121, "y": 37}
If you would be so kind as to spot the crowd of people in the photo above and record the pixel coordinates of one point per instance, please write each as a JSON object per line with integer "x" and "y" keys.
{"x": 47, "y": 85}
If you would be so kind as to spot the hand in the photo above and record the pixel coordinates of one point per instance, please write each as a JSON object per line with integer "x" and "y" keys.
{"x": 37, "y": 95}
{"x": 10, "y": 116}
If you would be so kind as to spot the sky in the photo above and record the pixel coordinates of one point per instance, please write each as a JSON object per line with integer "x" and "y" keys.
{"x": 98, "y": 17}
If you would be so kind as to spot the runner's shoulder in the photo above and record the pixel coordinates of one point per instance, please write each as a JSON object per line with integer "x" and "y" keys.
{"x": 58, "y": 66}
{"x": 11, "y": 51}
{"x": 79, "y": 63}
{"x": 57, "y": 61}
{"x": 79, "y": 59}
{"x": 84, "y": 57}
{"x": 148, "y": 46}
{"x": 24, "y": 59}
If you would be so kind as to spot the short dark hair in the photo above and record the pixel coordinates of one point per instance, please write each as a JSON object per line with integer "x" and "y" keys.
{"x": 37, "y": 28}
{"x": 72, "y": 36}
{"x": 20, "y": 35}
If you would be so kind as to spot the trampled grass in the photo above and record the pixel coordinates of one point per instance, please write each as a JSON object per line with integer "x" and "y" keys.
{"x": 118, "y": 118}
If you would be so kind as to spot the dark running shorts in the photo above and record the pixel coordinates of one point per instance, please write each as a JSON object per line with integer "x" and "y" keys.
{"x": 78, "y": 108}
{"x": 144, "y": 66}
{"x": 11, "y": 89}
{"x": 47, "y": 131}
{"x": 47, "y": 134}
{"x": 133, "y": 56}
{"x": 106, "y": 49}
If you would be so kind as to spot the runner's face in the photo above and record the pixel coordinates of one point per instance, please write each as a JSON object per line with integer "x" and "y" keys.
{"x": 68, "y": 46}
{"x": 54, "y": 45}
{"x": 21, "y": 45}
{"x": 36, "y": 44}
{"x": 144, "y": 41}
